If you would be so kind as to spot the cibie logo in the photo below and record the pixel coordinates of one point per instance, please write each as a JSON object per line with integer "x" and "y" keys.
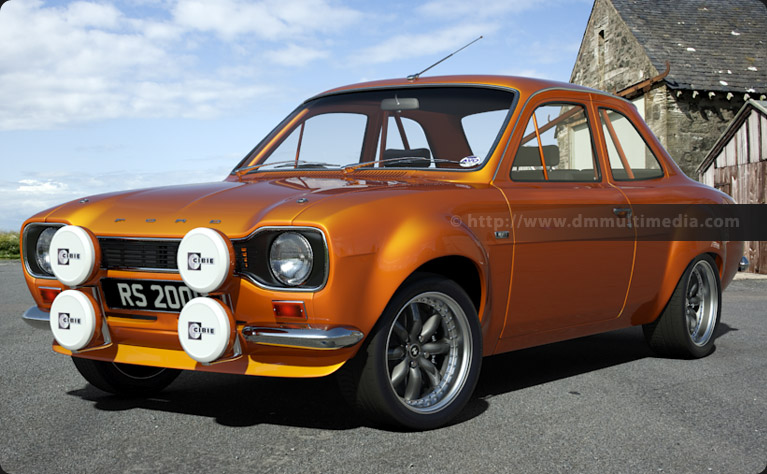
{"x": 196, "y": 331}
{"x": 64, "y": 256}
{"x": 195, "y": 261}
{"x": 65, "y": 321}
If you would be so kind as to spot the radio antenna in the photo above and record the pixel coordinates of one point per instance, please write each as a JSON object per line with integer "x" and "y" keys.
{"x": 413, "y": 77}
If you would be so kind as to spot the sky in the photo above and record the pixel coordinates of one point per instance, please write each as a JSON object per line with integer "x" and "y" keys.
{"x": 99, "y": 96}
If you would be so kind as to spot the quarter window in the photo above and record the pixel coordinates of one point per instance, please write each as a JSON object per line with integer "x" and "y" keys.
{"x": 557, "y": 146}
{"x": 630, "y": 157}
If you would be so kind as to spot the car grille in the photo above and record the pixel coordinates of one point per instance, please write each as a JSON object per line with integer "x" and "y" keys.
{"x": 151, "y": 255}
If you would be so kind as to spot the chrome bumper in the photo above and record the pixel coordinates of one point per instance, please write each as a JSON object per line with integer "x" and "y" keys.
{"x": 37, "y": 318}
{"x": 304, "y": 338}
{"x": 743, "y": 265}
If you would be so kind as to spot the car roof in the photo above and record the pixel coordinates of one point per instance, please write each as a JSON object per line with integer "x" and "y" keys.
{"x": 525, "y": 85}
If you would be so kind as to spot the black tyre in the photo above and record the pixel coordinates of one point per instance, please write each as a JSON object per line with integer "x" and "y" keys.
{"x": 687, "y": 325}
{"x": 420, "y": 366}
{"x": 125, "y": 379}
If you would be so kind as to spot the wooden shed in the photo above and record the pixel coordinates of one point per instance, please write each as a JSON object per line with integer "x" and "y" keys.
{"x": 737, "y": 165}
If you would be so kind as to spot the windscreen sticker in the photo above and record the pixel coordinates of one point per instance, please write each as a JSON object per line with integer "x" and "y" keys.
{"x": 470, "y": 161}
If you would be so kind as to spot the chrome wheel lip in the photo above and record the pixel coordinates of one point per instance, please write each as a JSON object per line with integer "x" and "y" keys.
{"x": 459, "y": 357}
{"x": 701, "y": 303}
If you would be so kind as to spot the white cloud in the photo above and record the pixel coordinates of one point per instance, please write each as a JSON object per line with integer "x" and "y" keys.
{"x": 87, "y": 61}
{"x": 93, "y": 15}
{"x": 475, "y": 8}
{"x": 405, "y": 46}
{"x": 34, "y": 186}
{"x": 294, "y": 55}
{"x": 269, "y": 19}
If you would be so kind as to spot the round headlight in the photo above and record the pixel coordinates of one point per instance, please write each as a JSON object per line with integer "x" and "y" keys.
{"x": 43, "y": 249}
{"x": 291, "y": 258}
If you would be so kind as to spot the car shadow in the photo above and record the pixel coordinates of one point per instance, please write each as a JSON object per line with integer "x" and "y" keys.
{"x": 242, "y": 401}
{"x": 525, "y": 368}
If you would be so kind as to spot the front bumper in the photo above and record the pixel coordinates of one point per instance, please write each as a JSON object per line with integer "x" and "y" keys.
{"x": 298, "y": 338}
{"x": 37, "y": 318}
{"x": 304, "y": 338}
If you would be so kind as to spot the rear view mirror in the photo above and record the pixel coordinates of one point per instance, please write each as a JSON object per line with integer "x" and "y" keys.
{"x": 399, "y": 104}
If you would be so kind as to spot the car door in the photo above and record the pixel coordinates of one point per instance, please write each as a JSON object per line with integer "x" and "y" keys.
{"x": 573, "y": 243}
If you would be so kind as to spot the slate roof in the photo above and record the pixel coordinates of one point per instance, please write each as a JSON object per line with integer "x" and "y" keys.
{"x": 712, "y": 45}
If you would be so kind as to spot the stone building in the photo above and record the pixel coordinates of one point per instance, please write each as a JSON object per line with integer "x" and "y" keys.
{"x": 716, "y": 52}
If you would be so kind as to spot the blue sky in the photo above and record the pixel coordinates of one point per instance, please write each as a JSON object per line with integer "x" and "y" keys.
{"x": 99, "y": 95}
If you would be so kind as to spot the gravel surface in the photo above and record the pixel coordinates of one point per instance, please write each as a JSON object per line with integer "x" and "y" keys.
{"x": 597, "y": 404}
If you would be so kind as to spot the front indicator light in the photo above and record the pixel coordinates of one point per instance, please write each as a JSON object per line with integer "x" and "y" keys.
{"x": 49, "y": 294}
{"x": 289, "y": 309}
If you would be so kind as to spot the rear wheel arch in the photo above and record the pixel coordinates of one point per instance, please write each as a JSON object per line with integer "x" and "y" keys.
{"x": 719, "y": 262}
{"x": 686, "y": 328}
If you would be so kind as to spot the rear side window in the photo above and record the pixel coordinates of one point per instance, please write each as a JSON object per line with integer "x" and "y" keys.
{"x": 630, "y": 157}
{"x": 557, "y": 146}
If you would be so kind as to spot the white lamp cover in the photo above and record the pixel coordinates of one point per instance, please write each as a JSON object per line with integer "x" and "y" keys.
{"x": 73, "y": 320}
{"x": 205, "y": 328}
{"x": 73, "y": 255}
{"x": 204, "y": 259}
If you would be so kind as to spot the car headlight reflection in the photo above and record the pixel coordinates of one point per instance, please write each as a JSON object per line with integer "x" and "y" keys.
{"x": 291, "y": 258}
{"x": 43, "y": 248}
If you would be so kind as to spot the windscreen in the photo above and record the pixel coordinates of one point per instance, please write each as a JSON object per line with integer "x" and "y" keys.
{"x": 414, "y": 127}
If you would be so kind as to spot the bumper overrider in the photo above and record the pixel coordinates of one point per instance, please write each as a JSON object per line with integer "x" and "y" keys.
{"x": 207, "y": 329}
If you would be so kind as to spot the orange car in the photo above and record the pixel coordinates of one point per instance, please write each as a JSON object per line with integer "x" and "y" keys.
{"x": 394, "y": 232}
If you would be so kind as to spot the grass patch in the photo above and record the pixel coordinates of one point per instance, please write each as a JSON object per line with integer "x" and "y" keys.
{"x": 9, "y": 245}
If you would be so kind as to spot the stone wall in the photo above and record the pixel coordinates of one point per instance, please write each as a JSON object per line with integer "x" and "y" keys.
{"x": 611, "y": 59}
{"x": 693, "y": 125}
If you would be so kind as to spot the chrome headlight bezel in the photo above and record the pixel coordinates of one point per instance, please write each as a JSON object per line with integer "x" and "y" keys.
{"x": 253, "y": 258}
{"x": 30, "y": 239}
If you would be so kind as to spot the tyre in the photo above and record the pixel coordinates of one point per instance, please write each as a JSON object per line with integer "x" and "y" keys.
{"x": 421, "y": 364}
{"x": 125, "y": 379}
{"x": 687, "y": 325}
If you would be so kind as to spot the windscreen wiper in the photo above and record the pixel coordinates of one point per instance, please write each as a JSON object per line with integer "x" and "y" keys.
{"x": 351, "y": 167}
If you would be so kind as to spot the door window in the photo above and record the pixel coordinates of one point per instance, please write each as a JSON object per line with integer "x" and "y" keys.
{"x": 557, "y": 146}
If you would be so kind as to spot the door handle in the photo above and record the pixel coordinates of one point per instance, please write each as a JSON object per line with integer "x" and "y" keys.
{"x": 623, "y": 212}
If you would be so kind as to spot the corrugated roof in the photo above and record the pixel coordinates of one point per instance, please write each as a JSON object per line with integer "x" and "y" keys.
{"x": 712, "y": 45}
